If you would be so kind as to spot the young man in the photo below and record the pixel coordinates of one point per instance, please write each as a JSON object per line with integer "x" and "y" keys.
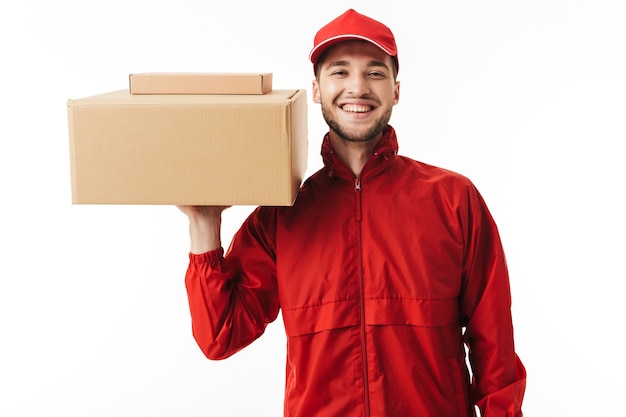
{"x": 385, "y": 268}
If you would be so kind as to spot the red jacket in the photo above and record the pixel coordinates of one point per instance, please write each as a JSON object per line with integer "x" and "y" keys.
{"x": 382, "y": 282}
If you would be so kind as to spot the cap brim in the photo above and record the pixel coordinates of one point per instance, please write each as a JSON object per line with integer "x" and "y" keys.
{"x": 320, "y": 48}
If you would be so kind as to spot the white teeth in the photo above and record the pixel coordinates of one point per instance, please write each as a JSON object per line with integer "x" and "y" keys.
{"x": 355, "y": 108}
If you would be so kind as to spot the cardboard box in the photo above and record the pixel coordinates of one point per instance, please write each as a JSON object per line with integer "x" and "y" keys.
{"x": 199, "y": 83}
{"x": 188, "y": 149}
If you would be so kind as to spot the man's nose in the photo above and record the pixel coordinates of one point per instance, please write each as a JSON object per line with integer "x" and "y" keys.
{"x": 358, "y": 85}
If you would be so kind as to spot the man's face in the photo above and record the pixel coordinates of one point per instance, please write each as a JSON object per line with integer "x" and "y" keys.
{"x": 357, "y": 90}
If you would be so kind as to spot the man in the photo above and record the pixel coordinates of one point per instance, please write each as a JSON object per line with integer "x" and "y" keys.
{"x": 384, "y": 268}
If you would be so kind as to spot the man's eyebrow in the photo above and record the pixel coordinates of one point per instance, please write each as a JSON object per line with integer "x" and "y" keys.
{"x": 378, "y": 64}
{"x": 340, "y": 63}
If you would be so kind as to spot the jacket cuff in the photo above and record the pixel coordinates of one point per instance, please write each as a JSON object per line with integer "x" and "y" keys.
{"x": 210, "y": 257}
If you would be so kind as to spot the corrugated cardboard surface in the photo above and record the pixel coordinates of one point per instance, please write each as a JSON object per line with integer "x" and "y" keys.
{"x": 199, "y": 83}
{"x": 188, "y": 149}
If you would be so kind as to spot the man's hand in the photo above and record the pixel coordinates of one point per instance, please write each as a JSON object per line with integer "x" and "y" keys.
{"x": 204, "y": 227}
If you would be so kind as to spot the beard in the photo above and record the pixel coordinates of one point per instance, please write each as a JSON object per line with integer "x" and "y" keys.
{"x": 354, "y": 135}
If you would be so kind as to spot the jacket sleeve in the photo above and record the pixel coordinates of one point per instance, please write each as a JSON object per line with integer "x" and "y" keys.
{"x": 499, "y": 377}
{"x": 233, "y": 296}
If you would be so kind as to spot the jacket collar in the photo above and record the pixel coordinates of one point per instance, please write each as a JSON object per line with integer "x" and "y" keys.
{"x": 381, "y": 160}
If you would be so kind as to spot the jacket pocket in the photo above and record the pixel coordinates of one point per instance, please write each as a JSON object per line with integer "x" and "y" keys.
{"x": 414, "y": 312}
{"x": 317, "y": 318}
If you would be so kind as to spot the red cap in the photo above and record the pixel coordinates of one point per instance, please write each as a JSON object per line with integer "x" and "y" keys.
{"x": 353, "y": 26}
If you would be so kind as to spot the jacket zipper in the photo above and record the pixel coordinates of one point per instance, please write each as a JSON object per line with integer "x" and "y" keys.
{"x": 357, "y": 190}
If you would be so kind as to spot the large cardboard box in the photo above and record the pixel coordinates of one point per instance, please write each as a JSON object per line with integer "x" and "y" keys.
{"x": 199, "y": 83}
{"x": 188, "y": 149}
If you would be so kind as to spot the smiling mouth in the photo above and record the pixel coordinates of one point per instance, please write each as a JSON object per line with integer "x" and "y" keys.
{"x": 356, "y": 108}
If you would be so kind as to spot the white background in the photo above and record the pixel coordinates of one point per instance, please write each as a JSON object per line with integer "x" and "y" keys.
{"x": 525, "y": 98}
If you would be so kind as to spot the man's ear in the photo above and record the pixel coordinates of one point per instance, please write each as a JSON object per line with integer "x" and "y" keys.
{"x": 316, "y": 92}
{"x": 396, "y": 93}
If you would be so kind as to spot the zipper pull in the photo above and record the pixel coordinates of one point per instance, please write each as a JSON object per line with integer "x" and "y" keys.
{"x": 357, "y": 195}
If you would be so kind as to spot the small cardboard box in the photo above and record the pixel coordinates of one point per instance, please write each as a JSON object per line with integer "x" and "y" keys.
{"x": 188, "y": 149}
{"x": 199, "y": 83}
